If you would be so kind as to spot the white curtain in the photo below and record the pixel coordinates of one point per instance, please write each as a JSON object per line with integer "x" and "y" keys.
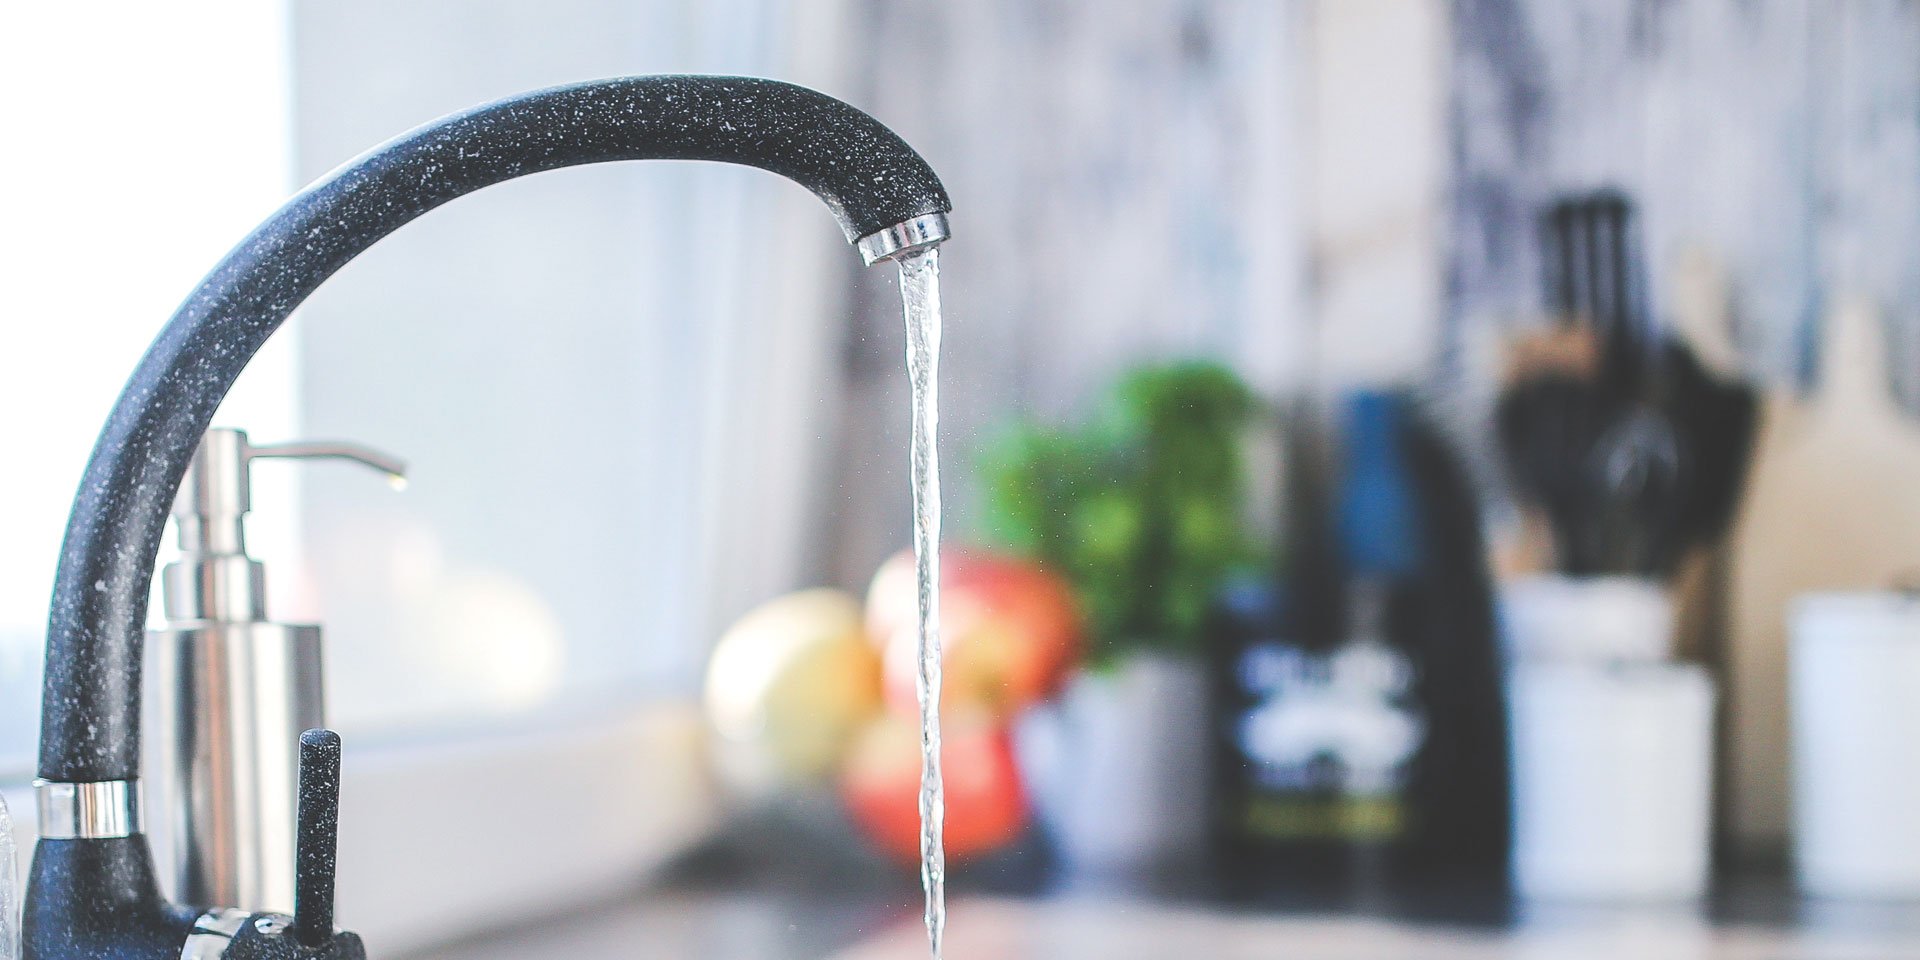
{"x": 612, "y": 380}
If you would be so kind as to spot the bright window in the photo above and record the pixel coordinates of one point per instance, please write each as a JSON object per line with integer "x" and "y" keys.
{"x": 614, "y": 386}
{"x": 142, "y": 145}
{"x": 612, "y": 394}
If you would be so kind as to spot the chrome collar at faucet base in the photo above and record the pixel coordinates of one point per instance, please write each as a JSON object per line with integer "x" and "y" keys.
{"x": 88, "y": 811}
{"x": 213, "y": 933}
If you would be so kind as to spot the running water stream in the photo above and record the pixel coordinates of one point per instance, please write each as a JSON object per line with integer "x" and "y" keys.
{"x": 920, "y": 289}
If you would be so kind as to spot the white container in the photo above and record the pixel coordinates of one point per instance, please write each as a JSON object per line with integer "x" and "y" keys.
{"x": 1117, "y": 767}
{"x": 1587, "y": 619}
{"x": 1612, "y": 781}
{"x": 1854, "y": 696}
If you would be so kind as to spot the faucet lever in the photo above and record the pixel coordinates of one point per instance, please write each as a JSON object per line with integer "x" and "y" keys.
{"x": 317, "y": 841}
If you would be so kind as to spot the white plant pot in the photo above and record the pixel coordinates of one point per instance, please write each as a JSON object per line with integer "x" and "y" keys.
{"x": 1117, "y": 766}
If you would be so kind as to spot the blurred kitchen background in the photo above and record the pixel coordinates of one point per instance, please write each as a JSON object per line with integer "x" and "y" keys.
{"x": 1421, "y": 475}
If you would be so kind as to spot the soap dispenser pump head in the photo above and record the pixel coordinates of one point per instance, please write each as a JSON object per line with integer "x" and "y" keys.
{"x": 217, "y": 490}
{"x": 215, "y": 579}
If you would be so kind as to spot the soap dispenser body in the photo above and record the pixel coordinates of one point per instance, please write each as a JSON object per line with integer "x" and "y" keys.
{"x": 231, "y": 700}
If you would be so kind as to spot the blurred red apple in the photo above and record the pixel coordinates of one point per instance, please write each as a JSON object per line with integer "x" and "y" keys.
{"x": 986, "y": 805}
{"x": 1010, "y": 631}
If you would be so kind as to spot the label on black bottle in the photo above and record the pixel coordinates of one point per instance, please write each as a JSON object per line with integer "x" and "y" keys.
{"x": 1328, "y": 738}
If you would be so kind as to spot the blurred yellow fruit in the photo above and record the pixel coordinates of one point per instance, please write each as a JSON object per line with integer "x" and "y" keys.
{"x": 788, "y": 687}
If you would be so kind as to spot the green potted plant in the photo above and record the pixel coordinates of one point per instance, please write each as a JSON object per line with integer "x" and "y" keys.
{"x": 1142, "y": 510}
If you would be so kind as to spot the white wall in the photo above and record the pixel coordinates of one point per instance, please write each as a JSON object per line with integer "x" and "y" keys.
{"x": 1255, "y": 181}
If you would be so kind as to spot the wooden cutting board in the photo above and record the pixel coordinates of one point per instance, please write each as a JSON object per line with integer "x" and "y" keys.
{"x": 1831, "y": 506}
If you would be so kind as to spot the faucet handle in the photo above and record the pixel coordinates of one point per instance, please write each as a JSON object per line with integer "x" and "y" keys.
{"x": 317, "y": 841}
{"x": 308, "y": 934}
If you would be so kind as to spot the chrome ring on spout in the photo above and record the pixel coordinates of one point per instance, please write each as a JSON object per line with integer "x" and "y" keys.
{"x": 901, "y": 239}
{"x": 88, "y": 811}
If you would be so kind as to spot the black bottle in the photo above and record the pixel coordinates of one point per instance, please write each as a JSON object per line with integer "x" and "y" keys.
{"x": 1358, "y": 726}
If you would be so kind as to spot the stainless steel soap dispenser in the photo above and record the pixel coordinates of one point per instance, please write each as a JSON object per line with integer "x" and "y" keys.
{"x": 231, "y": 690}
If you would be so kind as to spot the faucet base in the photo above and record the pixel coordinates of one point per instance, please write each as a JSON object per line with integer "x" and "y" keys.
{"x": 99, "y": 898}
{"x": 237, "y": 935}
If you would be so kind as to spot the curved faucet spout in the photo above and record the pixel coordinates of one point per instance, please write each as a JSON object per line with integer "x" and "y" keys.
{"x": 887, "y": 200}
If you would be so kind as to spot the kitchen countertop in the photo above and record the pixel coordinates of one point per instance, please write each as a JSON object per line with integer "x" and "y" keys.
{"x": 774, "y": 890}
{"x": 756, "y": 897}
{"x": 722, "y": 926}
{"x": 1070, "y": 930}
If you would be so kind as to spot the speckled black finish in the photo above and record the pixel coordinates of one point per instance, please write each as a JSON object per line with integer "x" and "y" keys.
{"x": 98, "y": 900}
{"x": 867, "y": 176}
